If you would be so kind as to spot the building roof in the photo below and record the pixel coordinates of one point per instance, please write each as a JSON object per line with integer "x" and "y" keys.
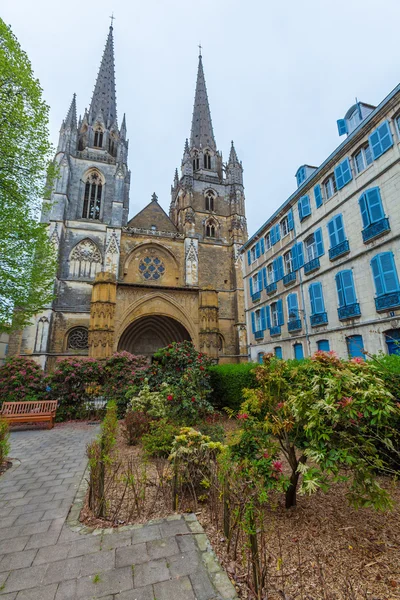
{"x": 153, "y": 214}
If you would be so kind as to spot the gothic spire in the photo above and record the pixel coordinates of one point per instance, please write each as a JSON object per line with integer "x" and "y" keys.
{"x": 202, "y": 134}
{"x": 104, "y": 98}
{"x": 233, "y": 156}
{"x": 123, "y": 128}
{"x": 70, "y": 119}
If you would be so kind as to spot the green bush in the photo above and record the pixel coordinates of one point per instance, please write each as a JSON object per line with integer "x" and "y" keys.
{"x": 4, "y": 440}
{"x": 227, "y": 383}
{"x": 388, "y": 368}
{"x": 159, "y": 440}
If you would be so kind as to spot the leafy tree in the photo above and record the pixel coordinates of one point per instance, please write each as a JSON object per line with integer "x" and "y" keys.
{"x": 333, "y": 421}
{"x": 27, "y": 257}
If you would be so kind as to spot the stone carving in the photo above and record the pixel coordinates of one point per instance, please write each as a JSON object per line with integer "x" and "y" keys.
{"x": 112, "y": 251}
{"x": 85, "y": 260}
{"x": 151, "y": 267}
{"x": 78, "y": 339}
{"x": 191, "y": 261}
{"x": 190, "y": 216}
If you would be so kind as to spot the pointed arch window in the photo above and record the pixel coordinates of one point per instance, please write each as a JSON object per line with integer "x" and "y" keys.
{"x": 210, "y": 201}
{"x": 211, "y": 228}
{"x": 92, "y": 196}
{"x": 85, "y": 260}
{"x": 207, "y": 160}
{"x": 196, "y": 162}
{"x": 42, "y": 330}
{"x": 98, "y": 138}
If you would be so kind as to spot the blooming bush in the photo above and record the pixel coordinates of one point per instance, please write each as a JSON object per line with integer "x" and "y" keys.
{"x": 154, "y": 404}
{"x": 21, "y": 379}
{"x": 121, "y": 371}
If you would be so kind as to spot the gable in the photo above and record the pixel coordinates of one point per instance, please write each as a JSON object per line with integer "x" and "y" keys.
{"x": 151, "y": 215}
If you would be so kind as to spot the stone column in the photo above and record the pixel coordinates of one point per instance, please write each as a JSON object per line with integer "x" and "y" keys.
{"x": 209, "y": 326}
{"x": 102, "y": 315}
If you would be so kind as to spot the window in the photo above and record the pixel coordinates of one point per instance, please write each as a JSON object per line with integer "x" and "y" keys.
{"x": 284, "y": 226}
{"x": 277, "y": 314}
{"x": 336, "y": 231}
{"x": 304, "y": 207}
{"x": 85, "y": 260}
{"x": 270, "y": 273}
{"x": 278, "y": 352}
{"x": 298, "y": 351}
{"x": 267, "y": 240}
{"x": 254, "y": 253}
{"x": 256, "y": 283}
{"x": 293, "y": 309}
{"x": 42, "y": 330}
{"x": 318, "y": 196}
{"x": 196, "y": 162}
{"x": 260, "y": 358}
{"x": 316, "y": 298}
{"x": 154, "y": 228}
{"x": 343, "y": 174}
{"x": 210, "y": 230}
{"x": 275, "y": 234}
{"x": 301, "y": 176}
{"x": 371, "y": 206}
{"x": 362, "y": 159}
{"x": 314, "y": 245}
{"x": 287, "y": 258}
{"x": 78, "y": 339}
{"x": 323, "y": 345}
{"x": 355, "y": 346}
{"x": 345, "y": 288}
{"x": 392, "y": 338}
{"x": 258, "y": 320}
{"x": 330, "y": 187}
{"x": 98, "y": 138}
{"x": 297, "y": 256}
{"x": 209, "y": 201}
{"x": 207, "y": 160}
{"x": 381, "y": 140}
{"x": 385, "y": 273}
{"x": 92, "y": 196}
{"x": 277, "y": 264}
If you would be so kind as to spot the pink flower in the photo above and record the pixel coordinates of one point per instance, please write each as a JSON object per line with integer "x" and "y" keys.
{"x": 277, "y": 466}
{"x": 345, "y": 401}
{"x": 266, "y": 455}
{"x": 170, "y": 397}
{"x": 280, "y": 405}
{"x": 358, "y": 360}
{"x": 243, "y": 416}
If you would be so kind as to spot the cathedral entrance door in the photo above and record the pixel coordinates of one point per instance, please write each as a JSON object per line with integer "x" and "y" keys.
{"x": 148, "y": 334}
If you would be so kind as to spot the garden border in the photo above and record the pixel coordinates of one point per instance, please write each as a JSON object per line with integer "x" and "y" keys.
{"x": 215, "y": 571}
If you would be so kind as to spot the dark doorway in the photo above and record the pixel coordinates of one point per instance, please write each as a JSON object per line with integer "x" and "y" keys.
{"x": 148, "y": 334}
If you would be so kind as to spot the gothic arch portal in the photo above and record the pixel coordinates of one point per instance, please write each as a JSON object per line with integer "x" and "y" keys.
{"x": 148, "y": 334}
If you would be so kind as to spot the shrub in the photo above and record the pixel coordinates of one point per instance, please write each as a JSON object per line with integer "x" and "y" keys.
{"x": 388, "y": 368}
{"x": 135, "y": 425}
{"x": 152, "y": 403}
{"x": 21, "y": 379}
{"x": 4, "y": 440}
{"x": 227, "y": 383}
{"x": 121, "y": 371}
{"x": 159, "y": 440}
{"x": 72, "y": 383}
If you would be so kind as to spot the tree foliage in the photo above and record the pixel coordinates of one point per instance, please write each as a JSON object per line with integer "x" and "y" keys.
{"x": 27, "y": 257}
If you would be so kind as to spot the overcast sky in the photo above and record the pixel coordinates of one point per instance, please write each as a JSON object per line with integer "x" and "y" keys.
{"x": 279, "y": 75}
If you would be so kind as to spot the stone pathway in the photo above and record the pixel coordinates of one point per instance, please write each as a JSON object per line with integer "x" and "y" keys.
{"x": 42, "y": 558}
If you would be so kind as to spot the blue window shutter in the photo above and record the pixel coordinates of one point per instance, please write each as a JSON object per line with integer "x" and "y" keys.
{"x": 280, "y": 267}
{"x": 259, "y": 276}
{"x": 290, "y": 220}
{"x": 323, "y": 345}
{"x": 364, "y": 210}
{"x": 263, "y": 325}
{"x": 346, "y": 171}
{"x": 318, "y": 196}
{"x": 312, "y": 301}
{"x": 248, "y": 257}
{"x": 354, "y": 346}
{"x": 268, "y": 316}
{"x": 262, "y": 245}
{"x": 300, "y": 255}
{"x": 381, "y": 140}
{"x": 280, "y": 312}
{"x": 273, "y": 240}
{"x": 277, "y": 232}
{"x": 298, "y": 351}
{"x": 342, "y": 126}
{"x": 264, "y": 274}
{"x": 339, "y": 287}
{"x": 258, "y": 250}
{"x": 251, "y": 286}
{"x": 378, "y": 276}
{"x": 253, "y": 322}
{"x": 340, "y": 234}
{"x": 375, "y": 143}
{"x": 339, "y": 177}
{"x": 348, "y": 287}
{"x": 294, "y": 257}
{"x": 292, "y": 306}
{"x": 332, "y": 233}
{"x": 316, "y": 298}
{"x": 389, "y": 272}
{"x": 319, "y": 241}
{"x": 278, "y": 352}
{"x": 374, "y": 204}
{"x": 276, "y": 271}
{"x": 306, "y": 206}
{"x": 300, "y": 208}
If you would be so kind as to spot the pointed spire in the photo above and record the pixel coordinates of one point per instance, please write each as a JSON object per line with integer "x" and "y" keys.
{"x": 123, "y": 128}
{"x": 233, "y": 156}
{"x": 202, "y": 134}
{"x": 70, "y": 119}
{"x": 104, "y": 98}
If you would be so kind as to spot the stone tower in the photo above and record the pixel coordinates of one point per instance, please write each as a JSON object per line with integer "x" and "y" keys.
{"x": 88, "y": 208}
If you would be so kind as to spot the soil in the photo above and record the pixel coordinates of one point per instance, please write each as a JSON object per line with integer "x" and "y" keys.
{"x": 7, "y": 464}
{"x": 322, "y": 549}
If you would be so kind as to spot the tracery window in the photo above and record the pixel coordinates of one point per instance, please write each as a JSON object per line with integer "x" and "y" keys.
{"x": 151, "y": 267}
{"x": 98, "y": 138}
{"x": 85, "y": 260}
{"x": 210, "y": 229}
{"x": 78, "y": 339}
{"x": 42, "y": 329}
{"x": 92, "y": 196}
{"x": 196, "y": 162}
{"x": 207, "y": 160}
{"x": 210, "y": 201}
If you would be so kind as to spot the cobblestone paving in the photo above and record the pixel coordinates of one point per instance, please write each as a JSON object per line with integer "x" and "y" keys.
{"x": 42, "y": 558}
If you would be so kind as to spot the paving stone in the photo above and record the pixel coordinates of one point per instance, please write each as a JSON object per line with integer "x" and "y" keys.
{"x": 67, "y": 590}
{"x": 162, "y": 548}
{"x": 50, "y": 554}
{"x": 178, "y": 589}
{"x": 145, "y": 593}
{"x": 97, "y": 563}
{"x": 84, "y": 545}
{"x": 13, "y": 545}
{"x": 171, "y": 528}
{"x": 186, "y": 543}
{"x": 47, "y": 592}
{"x": 7, "y": 521}
{"x": 151, "y": 572}
{"x": 110, "y": 582}
{"x": 131, "y": 555}
{"x": 17, "y": 560}
{"x": 23, "y": 579}
{"x": 62, "y": 570}
{"x": 117, "y": 540}
{"x": 29, "y": 518}
{"x": 11, "y": 596}
{"x": 34, "y": 528}
{"x": 146, "y": 534}
{"x": 184, "y": 564}
{"x": 9, "y": 532}
{"x": 203, "y": 588}
{"x": 42, "y": 539}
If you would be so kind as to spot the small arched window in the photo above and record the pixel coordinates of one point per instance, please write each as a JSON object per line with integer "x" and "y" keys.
{"x": 196, "y": 162}
{"x": 111, "y": 147}
{"x": 78, "y": 339}
{"x": 207, "y": 160}
{"x": 210, "y": 230}
{"x": 209, "y": 201}
{"x": 98, "y": 138}
{"x": 92, "y": 196}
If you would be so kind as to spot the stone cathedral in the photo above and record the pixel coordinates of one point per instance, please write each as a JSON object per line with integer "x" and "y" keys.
{"x": 139, "y": 283}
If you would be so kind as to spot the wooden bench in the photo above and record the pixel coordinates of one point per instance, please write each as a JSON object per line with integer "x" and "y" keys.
{"x": 29, "y": 412}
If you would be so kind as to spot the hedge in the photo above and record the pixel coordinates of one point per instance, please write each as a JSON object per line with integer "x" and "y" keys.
{"x": 227, "y": 383}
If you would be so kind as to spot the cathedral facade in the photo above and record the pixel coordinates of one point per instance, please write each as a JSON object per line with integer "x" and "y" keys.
{"x": 139, "y": 284}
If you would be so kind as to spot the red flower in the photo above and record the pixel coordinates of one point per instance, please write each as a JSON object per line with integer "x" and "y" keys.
{"x": 193, "y": 399}
{"x": 277, "y": 466}
{"x": 243, "y": 416}
{"x": 266, "y": 455}
{"x": 280, "y": 405}
{"x": 170, "y": 397}
{"x": 201, "y": 368}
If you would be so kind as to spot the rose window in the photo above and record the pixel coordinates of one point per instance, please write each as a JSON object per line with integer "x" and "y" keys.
{"x": 151, "y": 267}
{"x": 78, "y": 339}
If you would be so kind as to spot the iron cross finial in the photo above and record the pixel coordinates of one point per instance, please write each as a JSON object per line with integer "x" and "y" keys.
{"x": 200, "y": 49}
{"x": 112, "y": 19}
